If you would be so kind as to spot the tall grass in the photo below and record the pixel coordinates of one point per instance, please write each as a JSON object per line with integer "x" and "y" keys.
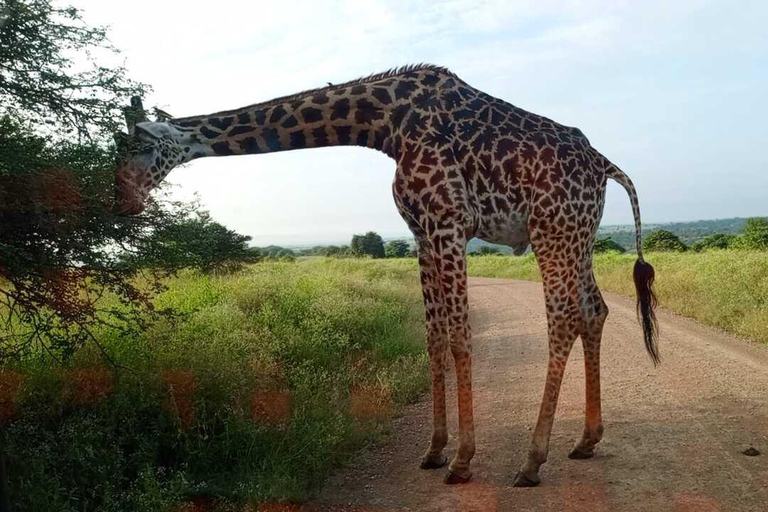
{"x": 271, "y": 378}
{"x": 727, "y": 289}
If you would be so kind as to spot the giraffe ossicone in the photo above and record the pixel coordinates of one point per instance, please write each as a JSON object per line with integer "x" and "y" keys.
{"x": 467, "y": 165}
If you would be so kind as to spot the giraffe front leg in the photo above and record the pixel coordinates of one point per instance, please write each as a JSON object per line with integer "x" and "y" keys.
{"x": 454, "y": 279}
{"x": 434, "y": 458}
{"x": 459, "y": 471}
{"x": 436, "y": 347}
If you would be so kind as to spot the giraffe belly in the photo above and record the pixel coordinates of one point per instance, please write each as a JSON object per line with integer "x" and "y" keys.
{"x": 511, "y": 231}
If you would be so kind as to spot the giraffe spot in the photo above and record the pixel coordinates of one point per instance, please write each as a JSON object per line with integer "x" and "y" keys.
{"x": 244, "y": 118}
{"x": 277, "y": 114}
{"x": 260, "y": 117}
{"x": 428, "y": 157}
{"x": 221, "y": 123}
{"x": 404, "y": 89}
{"x": 399, "y": 113}
{"x": 320, "y": 98}
{"x": 451, "y": 99}
{"x": 208, "y": 133}
{"x": 340, "y": 109}
{"x": 416, "y": 185}
{"x": 272, "y": 139}
{"x": 358, "y": 90}
{"x": 366, "y": 112}
{"x": 427, "y": 100}
{"x": 249, "y": 145}
{"x": 415, "y": 124}
{"x": 320, "y": 136}
{"x": 382, "y": 95}
{"x": 239, "y": 130}
{"x": 443, "y": 130}
{"x": 362, "y": 138}
{"x": 312, "y": 115}
{"x": 504, "y": 147}
{"x": 290, "y": 122}
{"x": 463, "y": 114}
{"x": 484, "y": 140}
{"x": 430, "y": 79}
{"x": 343, "y": 133}
{"x": 380, "y": 139}
{"x": 298, "y": 140}
{"x": 222, "y": 148}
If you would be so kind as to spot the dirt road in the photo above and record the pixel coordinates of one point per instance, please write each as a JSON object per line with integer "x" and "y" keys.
{"x": 673, "y": 435}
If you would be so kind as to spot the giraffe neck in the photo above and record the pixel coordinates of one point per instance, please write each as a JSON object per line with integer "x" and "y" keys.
{"x": 363, "y": 113}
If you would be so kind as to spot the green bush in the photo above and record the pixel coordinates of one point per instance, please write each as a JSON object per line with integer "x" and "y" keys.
{"x": 661, "y": 240}
{"x": 607, "y": 245}
{"x": 339, "y": 341}
{"x": 717, "y": 241}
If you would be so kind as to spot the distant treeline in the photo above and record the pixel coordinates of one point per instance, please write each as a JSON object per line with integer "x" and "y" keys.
{"x": 370, "y": 245}
{"x": 735, "y": 233}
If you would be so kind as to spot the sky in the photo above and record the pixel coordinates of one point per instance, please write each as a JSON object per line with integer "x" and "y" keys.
{"x": 674, "y": 93}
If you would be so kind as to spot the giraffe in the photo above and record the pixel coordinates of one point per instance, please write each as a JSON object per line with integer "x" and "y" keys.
{"x": 468, "y": 165}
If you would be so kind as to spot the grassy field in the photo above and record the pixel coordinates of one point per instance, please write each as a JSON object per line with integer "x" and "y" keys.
{"x": 725, "y": 289}
{"x": 273, "y": 377}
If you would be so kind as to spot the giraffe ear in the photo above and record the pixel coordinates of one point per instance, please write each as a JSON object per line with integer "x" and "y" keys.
{"x": 151, "y": 131}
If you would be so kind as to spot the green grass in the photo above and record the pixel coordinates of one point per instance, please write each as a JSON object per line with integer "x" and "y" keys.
{"x": 727, "y": 289}
{"x": 272, "y": 377}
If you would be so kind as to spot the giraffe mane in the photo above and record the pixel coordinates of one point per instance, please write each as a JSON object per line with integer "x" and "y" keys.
{"x": 408, "y": 68}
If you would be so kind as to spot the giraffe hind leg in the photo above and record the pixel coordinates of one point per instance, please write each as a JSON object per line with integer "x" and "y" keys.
{"x": 594, "y": 314}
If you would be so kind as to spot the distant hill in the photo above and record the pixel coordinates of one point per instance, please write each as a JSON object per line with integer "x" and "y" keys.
{"x": 624, "y": 234}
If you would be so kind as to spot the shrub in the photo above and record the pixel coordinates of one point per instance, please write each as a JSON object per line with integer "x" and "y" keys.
{"x": 607, "y": 245}
{"x": 662, "y": 240}
{"x": 717, "y": 241}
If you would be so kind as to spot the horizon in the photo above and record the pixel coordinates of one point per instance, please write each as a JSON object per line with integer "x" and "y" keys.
{"x": 407, "y": 235}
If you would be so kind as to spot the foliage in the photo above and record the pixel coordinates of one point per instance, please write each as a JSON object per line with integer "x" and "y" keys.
{"x": 688, "y": 232}
{"x": 717, "y": 241}
{"x": 607, "y": 245}
{"x": 486, "y": 250}
{"x": 60, "y": 246}
{"x": 396, "y": 249}
{"x": 275, "y": 252}
{"x": 663, "y": 240}
{"x": 40, "y": 79}
{"x": 195, "y": 241}
{"x": 369, "y": 244}
{"x": 277, "y": 374}
{"x": 755, "y": 235}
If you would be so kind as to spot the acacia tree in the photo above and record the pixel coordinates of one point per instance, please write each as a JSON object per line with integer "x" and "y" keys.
{"x": 61, "y": 248}
{"x": 49, "y": 71}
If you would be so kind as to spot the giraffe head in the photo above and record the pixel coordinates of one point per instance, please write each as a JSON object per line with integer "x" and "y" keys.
{"x": 156, "y": 148}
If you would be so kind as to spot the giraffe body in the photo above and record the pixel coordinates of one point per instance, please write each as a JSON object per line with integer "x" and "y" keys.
{"x": 467, "y": 165}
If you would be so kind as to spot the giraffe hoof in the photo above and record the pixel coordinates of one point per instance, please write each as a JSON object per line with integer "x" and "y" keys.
{"x": 433, "y": 463}
{"x": 454, "y": 478}
{"x": 581, "y": 453}
{"x": 522, "y": 480}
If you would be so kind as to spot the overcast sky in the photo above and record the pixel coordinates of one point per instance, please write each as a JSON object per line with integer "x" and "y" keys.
{"x": 673, "y": 92}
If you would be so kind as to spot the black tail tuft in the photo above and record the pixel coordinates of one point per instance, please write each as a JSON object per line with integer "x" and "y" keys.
{"x": 646, "y": 306}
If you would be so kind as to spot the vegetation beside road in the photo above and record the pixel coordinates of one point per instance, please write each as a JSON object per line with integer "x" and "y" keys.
{"x": 727, "y": 289}
{"x": 270, "y": 378}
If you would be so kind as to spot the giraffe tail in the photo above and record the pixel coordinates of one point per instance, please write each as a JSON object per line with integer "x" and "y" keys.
{"x": 643, "y": 274}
